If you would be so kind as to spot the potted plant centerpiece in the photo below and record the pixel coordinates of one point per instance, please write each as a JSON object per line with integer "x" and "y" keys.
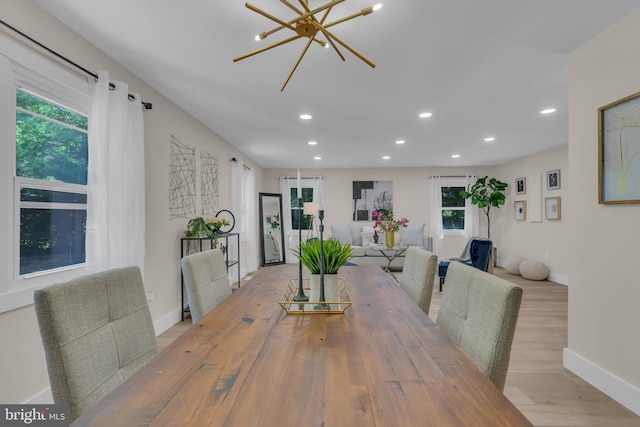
{"x": 335, "y": 255}
{"x": 204, "y": 228}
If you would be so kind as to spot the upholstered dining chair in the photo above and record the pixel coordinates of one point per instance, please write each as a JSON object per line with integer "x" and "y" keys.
{"x": 206, "y": 281}
{"x": 418, "y": 274}
{"x": 479, "y": 312}
{"x": 96, "y": 331}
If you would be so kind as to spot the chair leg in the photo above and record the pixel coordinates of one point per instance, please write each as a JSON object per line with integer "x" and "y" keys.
{"x": 441, "y": 283}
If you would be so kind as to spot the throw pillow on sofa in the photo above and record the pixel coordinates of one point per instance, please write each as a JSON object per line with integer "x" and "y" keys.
{"x": 412, "y": 235}
{"x": 342, "y": 233}
{"x": 367, "y": 236}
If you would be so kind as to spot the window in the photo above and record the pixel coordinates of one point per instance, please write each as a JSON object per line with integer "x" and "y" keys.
{"x": 50, "y": 184}
{"x": 453, "y": 208}
{"x": 296, "y": 211}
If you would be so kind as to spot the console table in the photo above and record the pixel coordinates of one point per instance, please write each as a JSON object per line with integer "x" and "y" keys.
{"x": 186, "y": 247}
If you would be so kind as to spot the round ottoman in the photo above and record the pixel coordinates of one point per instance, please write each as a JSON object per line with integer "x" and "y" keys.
{"x": 512, "y": 264}
{"x": 533, "y": 270}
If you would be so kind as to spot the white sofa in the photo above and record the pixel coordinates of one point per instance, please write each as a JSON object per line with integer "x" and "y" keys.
{"x": 362, "y": 246}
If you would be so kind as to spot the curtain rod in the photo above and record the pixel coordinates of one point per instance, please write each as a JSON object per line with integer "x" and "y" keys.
{"x": 146, "y": 105}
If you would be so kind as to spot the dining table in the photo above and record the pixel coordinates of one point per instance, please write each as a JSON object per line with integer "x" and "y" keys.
{"x": 249, "y": 362}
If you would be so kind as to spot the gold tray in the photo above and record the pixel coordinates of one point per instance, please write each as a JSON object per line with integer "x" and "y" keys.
{"x": 314, "y": 307}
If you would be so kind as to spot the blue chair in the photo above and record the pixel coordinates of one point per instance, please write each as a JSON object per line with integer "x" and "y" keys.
{"x": 477, "y": 253}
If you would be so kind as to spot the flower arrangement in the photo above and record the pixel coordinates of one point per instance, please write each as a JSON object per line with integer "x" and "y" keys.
{"x": 385, "y": 222}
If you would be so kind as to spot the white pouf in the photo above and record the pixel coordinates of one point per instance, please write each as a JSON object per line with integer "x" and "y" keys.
{"x": 533, "y": 270}
{"x": 512, "y": 264}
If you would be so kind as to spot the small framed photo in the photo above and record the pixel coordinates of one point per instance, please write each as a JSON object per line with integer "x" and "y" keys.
{"x": 552, "y": 208}
{"x": 520, "y": 207}
{"x": 521, "y": 186}
{"x": 553, "y": 179}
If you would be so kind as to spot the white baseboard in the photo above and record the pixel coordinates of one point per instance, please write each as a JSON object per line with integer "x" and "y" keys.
{"x": 553, "y": 277}
{"x": 166, "y": 322}
{"x": 614, "y": 387}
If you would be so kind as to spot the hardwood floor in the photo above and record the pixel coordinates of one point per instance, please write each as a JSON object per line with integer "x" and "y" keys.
{"x": 545, "y": 392}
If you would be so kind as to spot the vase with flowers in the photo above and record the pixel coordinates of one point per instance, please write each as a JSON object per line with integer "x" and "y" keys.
{"x": 385, "y": 222}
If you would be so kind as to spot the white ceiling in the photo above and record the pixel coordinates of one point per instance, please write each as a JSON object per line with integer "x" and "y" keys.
{"x": 483, "y": 68}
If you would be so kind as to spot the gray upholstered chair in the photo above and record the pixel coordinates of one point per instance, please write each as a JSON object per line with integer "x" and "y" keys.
{"x": 206, "y": 281}
{"x": 96, "y": 331}
{"x": 418, "y": 275}
{"x": 479, "y": 312}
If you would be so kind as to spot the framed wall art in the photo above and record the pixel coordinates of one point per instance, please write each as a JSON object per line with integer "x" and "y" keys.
{"x": 553, "y": 179}
{"x": 619, "y": 151}
{"x": 552, "y": 208}
{"x": 371, "y": 196}
{"x": 521, "y": 186}
{"x": 520, "y": 207}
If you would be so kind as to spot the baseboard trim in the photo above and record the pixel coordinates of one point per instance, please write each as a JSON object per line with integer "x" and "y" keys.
{"x": 560, "y": 279}
{"x": 614, "y": 387}
{"x": 166, "y": 322}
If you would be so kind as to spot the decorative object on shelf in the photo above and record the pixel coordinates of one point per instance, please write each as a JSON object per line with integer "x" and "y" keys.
{"x": 618, "y": 149}
{"x": 520, "y": 207}
{"x": 385, "y": 222}
{"x": 307, "y": 24}
{"x": 553, "y": 179}
{"x": 228, "y": 221}
{"x": 552, "y": 208}
{"x": 486, "y": 193}
{"x": 521, "y": 186}
{"x": 376, "y": 237}
{"x": 199, "y": 227}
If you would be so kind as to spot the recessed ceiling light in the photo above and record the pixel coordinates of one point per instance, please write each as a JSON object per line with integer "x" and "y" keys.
{"x": 386, "y": 157}
{"x": 424, "y": 115}
{"x": 305, "y": 116}
{"x": 455, "y": 156}
{"x": 377, "y": 6}
{"x": 312, "y": 143}
{"x": 317, "y": 158}
{"x": 489, "y": 139}
{"x": 400, "y": 141}
{"x": 548, "y": 111}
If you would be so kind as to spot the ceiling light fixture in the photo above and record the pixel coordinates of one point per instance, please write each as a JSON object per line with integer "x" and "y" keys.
{"x": 306, "y": 24}
{"x": 317, "y": 158}
{"x": 386, "y": 157}
{"x": 305, "y": 116}
{"x": 400, "y": 142}
{"x": 548, "y": 111}
{"x": 312, "y": 143}
{"x": 489, "y": 139}
{"x": 455, "y": 156}
{"x": 425, "y": 115}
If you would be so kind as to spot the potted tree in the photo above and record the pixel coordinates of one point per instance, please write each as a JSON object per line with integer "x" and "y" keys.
{"x": 335, "y": 255}
{"x": 487, "y": 193}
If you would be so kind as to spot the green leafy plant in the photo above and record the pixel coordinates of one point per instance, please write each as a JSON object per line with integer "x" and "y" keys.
{"x": 336, "y": 254}
{"x": 486, "y": 193}
{"x": 199, "y": 227}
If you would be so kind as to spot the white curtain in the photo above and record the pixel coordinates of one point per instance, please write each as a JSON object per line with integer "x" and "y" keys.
{"x": 471, "y": 217}
{"x": 243, "y": 206}
{"x": 290, "y": 235}
{"x": 116, "y": 209}
{"x": 435, "y": 217}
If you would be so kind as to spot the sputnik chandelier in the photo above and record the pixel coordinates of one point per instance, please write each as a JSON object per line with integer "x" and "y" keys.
{"x": 307, "y": 24}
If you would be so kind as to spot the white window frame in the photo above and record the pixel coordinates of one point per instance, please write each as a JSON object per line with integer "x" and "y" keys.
{"x": 27, "y": 69}
{"x": 452, "y": 182}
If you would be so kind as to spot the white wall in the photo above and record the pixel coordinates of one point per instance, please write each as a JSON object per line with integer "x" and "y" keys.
{"x": 23, "y": 373}
{"x": 547, "y": 240}
{"x": 604, "y": 295}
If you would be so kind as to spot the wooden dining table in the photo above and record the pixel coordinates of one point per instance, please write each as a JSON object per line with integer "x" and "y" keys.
{"x": 383, "y": 362}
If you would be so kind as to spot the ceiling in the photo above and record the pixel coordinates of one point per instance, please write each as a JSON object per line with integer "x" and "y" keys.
{"x": 482, "y": 68}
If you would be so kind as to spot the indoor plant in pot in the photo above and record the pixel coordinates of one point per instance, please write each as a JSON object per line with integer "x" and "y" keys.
{"x": 335, "y": 255}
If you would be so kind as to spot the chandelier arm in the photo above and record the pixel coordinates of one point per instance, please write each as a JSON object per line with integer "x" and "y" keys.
{"x": 292, "y": 7}
{"x": 329, "y": 39}
{"x": 293, "y": 21}
{"x": 363, "y": 12}
{"x": 276, "y": 44}
{"x": 297, "y": 63}
{"x": 305, "y": 5}
{"x": 349, "y": 48}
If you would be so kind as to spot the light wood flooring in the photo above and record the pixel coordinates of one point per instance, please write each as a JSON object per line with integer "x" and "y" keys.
{"x": 545, "y": 392}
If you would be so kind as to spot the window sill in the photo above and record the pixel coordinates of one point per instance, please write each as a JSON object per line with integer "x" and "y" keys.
{"x": 16, "y": 299}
